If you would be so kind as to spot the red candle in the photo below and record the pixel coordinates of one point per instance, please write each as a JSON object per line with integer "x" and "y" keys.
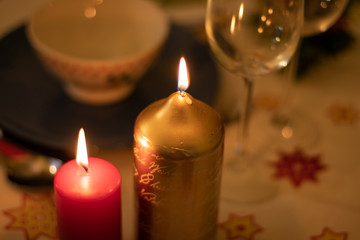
{"x": 88, "y": 198}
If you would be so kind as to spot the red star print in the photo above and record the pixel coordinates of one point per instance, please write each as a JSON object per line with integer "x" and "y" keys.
{"x": 241, "y": 228}
{"x": 328, "y": 234}
{"x": 298, "y": 167}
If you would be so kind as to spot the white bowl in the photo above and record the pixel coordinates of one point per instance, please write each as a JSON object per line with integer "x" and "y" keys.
{"x": 99, "y": 48}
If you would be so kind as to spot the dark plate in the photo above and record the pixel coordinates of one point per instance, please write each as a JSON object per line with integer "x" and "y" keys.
{"x": 34, "y": 107}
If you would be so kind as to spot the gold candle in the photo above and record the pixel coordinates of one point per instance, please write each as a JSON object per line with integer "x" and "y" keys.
{"x": 178, "y": 152}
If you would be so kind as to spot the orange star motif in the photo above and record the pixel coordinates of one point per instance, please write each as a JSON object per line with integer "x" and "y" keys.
{"x": 328, "y": 234}
{"x": 341, "y": 113}
{"x": 35, "y": 217}
{"x": 266, "y": 101}
{"x": 243, "y": 228}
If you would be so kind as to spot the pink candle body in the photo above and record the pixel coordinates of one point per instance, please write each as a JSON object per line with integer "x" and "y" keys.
{"x": 88, "y": 205}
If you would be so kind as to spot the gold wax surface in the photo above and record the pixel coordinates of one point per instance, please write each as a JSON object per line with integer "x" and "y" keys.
{"x": 178, "y": 149}
{"x": 180, "y": 122}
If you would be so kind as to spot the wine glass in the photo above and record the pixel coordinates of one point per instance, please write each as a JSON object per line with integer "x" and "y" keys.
{"x": 251, "y": 38}
{"x": 320, "y": 15}
{"x": 293, "y": 127}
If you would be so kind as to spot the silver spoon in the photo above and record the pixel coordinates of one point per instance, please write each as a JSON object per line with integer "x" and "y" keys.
{"x": 26, "y": 167}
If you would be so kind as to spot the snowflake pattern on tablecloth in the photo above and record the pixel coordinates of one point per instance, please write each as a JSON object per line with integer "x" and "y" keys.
{"x": 328, "y": 234}
{"x": 240, "y": 227}
{"x": 36, "y": 217}
{"x": 343, "y": 113}
{"x": 298, "y": 167}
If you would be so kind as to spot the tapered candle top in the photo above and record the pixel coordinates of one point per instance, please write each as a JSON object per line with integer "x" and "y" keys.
{"x": 189, "y": 126}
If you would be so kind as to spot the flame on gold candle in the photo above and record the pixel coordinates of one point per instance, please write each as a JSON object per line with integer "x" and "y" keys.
{"x": 81, "y": 153}
{"x": 183, "y": 77}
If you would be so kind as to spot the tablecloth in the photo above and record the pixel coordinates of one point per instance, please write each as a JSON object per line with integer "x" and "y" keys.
{"x": 318, "y": 183}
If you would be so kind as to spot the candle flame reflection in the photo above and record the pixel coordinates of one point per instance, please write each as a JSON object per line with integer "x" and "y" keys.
{"x": 232, "y": 25}
{"x": 183, "y": 77}
{"x": 241, "y": 11}
{"x": 144, "y": 141}
{"x": 90, "y": 12}
{"x": 81, "y": 154}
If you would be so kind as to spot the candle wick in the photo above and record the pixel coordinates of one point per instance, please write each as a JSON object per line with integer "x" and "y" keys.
{"x": 85, "y": 168}
{"x": 182, "y": 93}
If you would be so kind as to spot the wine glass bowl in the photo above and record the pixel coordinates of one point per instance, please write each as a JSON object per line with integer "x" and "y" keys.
{"x": 251, "y": 37}
{"x": 320, "y": 15}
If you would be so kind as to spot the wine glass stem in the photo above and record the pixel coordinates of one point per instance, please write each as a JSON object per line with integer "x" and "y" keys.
{"x": 245, "y": 112}
{"x": 281, "y": 117}
{"x": 291, "y": 75}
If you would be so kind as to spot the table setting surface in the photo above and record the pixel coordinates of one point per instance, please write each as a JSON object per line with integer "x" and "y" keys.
{"x": 318, "y": 184}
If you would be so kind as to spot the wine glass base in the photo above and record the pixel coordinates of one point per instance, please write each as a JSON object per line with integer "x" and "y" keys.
{"x": 294, "y": 129}
{"x": 247, "y": 184}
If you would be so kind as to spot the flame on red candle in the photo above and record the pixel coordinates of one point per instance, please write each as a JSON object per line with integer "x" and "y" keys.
{"x": 183, "y": 77}
{"x": 81, "y": 153}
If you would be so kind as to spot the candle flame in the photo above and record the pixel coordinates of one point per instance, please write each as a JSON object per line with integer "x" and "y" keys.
{"x": 81, "y": 154}
{"x": 241, "y": 11}
{"x": 183, "y": 77}
{"x": 232, "y": 25}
